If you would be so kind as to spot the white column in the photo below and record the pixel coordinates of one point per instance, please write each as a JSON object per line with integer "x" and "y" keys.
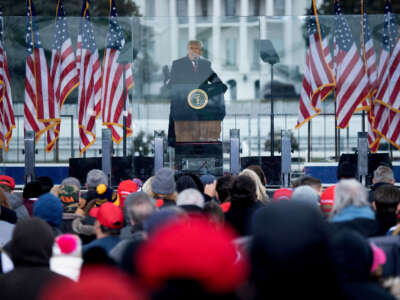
{"x": 243, "y": 37}
{"x": 216, "y": 35}
{"x": 269, "y": 11}
{"x": 265, "y": 70}
{"x": 192, "y": 19}
{"x": 143, "y": 8}
{"x": 174, "y": 30}
{"x": 288, "y": 32}
{"x": 269, "y": 7}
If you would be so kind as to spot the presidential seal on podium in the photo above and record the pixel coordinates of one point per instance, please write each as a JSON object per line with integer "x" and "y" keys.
{"x": 197, "y": 99}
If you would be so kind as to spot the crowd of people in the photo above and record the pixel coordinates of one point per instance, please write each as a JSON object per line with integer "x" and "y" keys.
{"x": 182, "y": 236}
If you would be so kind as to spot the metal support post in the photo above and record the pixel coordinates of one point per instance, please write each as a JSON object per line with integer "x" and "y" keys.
{"x": 235, "y": 151}
{"x": 362, "y": 158}
{"x": 106, "y": 152}
{"x": 272, "y": 113}
{"x": 125, "y": 113}
{"x": 286, "y": 158}
{"x": 29, "y": 151}
{"x": 158, "y": 151}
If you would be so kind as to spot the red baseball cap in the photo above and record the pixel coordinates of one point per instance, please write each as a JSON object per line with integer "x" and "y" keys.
{"x": 126, "y": 188}
{"x": 282, "y": 194}
{"x": 327, "y": 199}
{"x": 8, "y": 181}
{"x": 109, "y": 215}
{"x": 196, "y": 250}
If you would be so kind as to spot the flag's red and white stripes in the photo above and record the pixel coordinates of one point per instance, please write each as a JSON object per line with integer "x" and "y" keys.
{"x": 7, "y": 121}
{"x": 389, "y": 88}
{"x": 112, "y": 93}
{"x": 351, "y": 83}
{"x": 40, "y": 110}
{"x": 65, "y": 79}
{"x": 113, "y": 76}
{"x": 89, "y": 72}
{"x": 318, "y": 80}
{"x": 113, "y": 96}
{"x": 370, "y": 65}
{"x": 387, "y": 102}
{"x": 89, "y": 97}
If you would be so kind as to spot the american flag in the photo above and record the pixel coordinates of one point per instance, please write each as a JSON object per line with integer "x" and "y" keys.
{"x": 89, "y": 70}
{"x": 63, "y": 70}
{"x": 7, "y": 122}
{"x": 351, "y": 78}
{"x": 40, "y": 109}
{"x": 387, "y": 102}
{"x": 112, "y": 93}
{"x": 370, "y": 67}
{"x": 318, "y": 80}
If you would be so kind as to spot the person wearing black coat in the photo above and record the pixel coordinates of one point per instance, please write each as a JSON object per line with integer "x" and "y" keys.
{"x": 382, "y": 175}
{"x": 243, "y": 204}
{"x": 353, "y": 257}
{"x": 194, "y": 72}
{"x": 8, "y": 215}
{"x": 30, "y": 251}
{"x": 291, "y": 255}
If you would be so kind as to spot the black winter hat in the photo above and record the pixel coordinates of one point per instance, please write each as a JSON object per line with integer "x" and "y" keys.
{"x": 32, "y": 189}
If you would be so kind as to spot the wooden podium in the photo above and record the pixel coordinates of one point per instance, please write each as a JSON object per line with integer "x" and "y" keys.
{"x": 197, "y": 131}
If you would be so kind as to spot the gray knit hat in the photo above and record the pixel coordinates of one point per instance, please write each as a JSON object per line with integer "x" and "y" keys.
{"x": 95, "y": 177}
{"x": 164, "y": 182}
{"x": 306, "y": 194}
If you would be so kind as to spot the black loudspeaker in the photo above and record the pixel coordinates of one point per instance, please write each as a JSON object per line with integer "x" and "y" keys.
{"x": 79, "y": 167}
{"x": 271, "y": 165}
{"x": 122, "y": 168}
{"x": 374, "y": 161}
{"x": 144, "y": 167}
{"x": 268, "y": 53}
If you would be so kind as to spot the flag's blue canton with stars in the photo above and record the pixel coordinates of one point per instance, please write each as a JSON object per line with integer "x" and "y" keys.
{"x": 312, "y": 24}
{"x": 367, "y": 31}
{"x": 61, "y": 34}
{"x": 389, "y": 28}
{"x": 115, "y": 37}
{"x": 87, "y": 32}
{"x": 31, "y": 22}
{"x": 342, "y": 33}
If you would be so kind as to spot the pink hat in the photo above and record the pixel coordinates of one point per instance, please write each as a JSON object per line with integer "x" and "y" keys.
{"x": 379, "y": 257}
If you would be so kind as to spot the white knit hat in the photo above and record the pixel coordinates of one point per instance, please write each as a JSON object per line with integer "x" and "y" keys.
{"x": 67, "y": 256}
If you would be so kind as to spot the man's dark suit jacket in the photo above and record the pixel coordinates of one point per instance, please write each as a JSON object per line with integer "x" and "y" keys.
{"x": 183, "y": 79}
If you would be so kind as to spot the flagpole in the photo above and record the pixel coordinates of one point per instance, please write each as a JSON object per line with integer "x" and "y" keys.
{"x": 34, "y": 61}
{"x": 336, "y": 132}
{"x": 124, "y": 93}
{"x": 336, "y": 124}
{"x": 4, "y": 90}
{"x": 309, "y": 142}
{"x": 364, "y": 60}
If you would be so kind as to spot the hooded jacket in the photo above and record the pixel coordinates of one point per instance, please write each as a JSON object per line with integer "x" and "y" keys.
{"x": 291, "y": 254}
{"x": 17, "y": 205}
{"x": 31, "y": 247}
{"x": 353, "y": 258}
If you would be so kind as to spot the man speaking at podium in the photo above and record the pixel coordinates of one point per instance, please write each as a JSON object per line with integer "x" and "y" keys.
{"x": 196, "y": 95}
